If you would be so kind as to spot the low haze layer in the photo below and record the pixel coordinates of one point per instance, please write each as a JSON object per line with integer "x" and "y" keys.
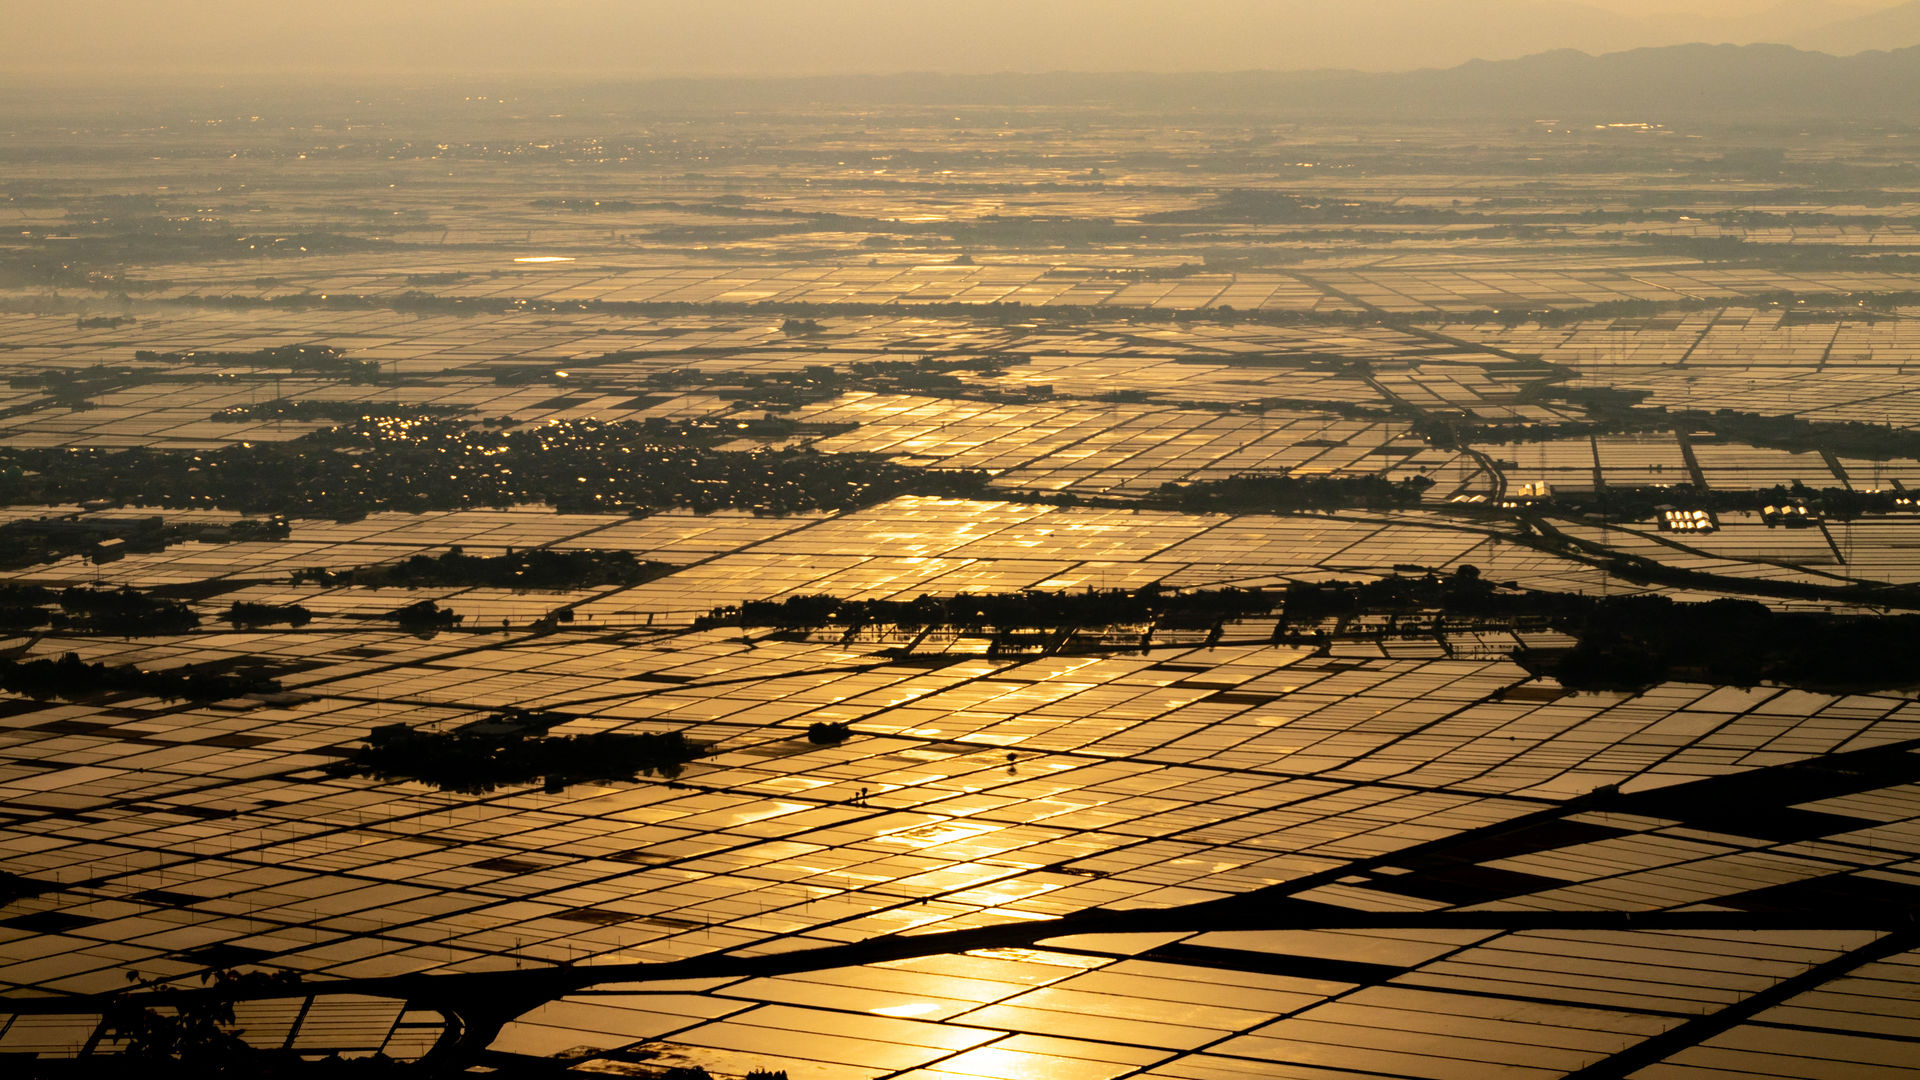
{"x": 118, "y": 38}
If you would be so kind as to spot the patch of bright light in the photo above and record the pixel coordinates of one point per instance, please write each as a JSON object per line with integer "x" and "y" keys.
{"x": 542, "y": 259}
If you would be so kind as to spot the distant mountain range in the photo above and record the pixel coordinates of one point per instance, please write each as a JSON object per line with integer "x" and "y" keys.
{"x": 1651, "y": 83}
{"x": 1889, "y": 29}
{"x": 1635, "y": 85}
{"x": 109, "y": 39}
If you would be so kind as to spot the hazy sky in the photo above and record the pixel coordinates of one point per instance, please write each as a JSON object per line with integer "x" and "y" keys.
{"x": 710, "y": 37}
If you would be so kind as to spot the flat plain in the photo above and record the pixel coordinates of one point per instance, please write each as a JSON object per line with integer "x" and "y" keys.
{"x": 1025, "y": 355}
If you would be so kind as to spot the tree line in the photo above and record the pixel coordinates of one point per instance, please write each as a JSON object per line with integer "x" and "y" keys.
{"x": 78, "y": 609}
{"x": 479, "y": 759}
{"x": 74, "y": 679}
{"x": 348, "y": 471}
{"x": 533, "y": 568}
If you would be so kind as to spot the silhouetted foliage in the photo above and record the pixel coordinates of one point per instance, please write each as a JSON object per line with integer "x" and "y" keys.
{"x": 480, "y": 760}
{"x": 23, "y": 620}
{"x": 1006, "y": 611}
{"x": 72, "y": 678}
{"x": 828, "y": 733}
{"x": 300, "y": 359}
{"x": 424, "y": 617}
{"x": 1613, "y": 412}
{"x": 198, "y": 1031}
{"x": 822, "y": 382}
{"x": 1632, "y": 642}
{"x": 24, "y": 543}
{"x": 193, "y": 1033}
{"x": 248, "y": 616}
{"x": 340, "y": 411}
{"x": 1848, "y": 438}
{"x": 576, "y": 466}
{"x": 1639, "y": 503}
{"x": 23, "y": 607}
{"x": 13, "y": 887}
{"x": 123, "y": 612}
{"x": 1463, "y": 593}
{"x": 535, "y": 568}
{"x": 1255, "y": 493}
